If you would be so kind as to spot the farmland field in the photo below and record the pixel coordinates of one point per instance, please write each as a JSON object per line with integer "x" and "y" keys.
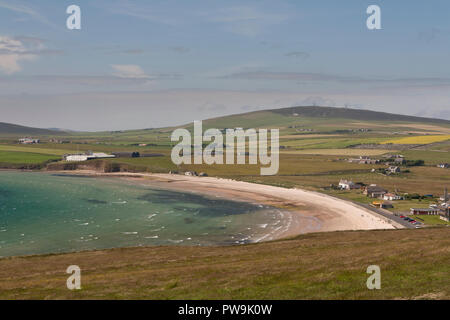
{"x": 32, "y": 149}
{"x": 419, "y": 139}
{"x": 24, "y": 158}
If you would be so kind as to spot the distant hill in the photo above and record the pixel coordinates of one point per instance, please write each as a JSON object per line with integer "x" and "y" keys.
{"x": 14, "y": 129}
{"x": 353, "y": 114}
{"x": 313, "y": 115}
{"x": 62, "y": 130}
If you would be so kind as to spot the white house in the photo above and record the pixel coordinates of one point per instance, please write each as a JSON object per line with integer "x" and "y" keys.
{"x": 346, "y": 184}
{"x": 392, "y": 196}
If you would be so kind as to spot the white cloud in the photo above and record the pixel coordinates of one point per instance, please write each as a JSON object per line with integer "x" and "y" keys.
{"x": 12, "y": 51}
{"x": 129, "y": 71}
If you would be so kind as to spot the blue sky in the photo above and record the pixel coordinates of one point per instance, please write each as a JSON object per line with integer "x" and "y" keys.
{"x": 139, "y": 64}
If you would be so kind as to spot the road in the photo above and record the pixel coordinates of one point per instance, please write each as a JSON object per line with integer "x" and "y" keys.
{"x": 389, "y": 215}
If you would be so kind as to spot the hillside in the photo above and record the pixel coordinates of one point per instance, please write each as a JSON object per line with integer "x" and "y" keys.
{"x": 314, "y": 266}
{"x": 14, "y": 129}
{"x": 319, "y": 118}
{"x": 353, "y": 114}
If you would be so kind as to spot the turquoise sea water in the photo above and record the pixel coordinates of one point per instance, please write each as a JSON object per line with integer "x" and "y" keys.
{"x": 50, "y": 213}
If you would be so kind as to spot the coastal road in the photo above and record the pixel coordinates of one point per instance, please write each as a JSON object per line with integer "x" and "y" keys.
{"x": 389, "y": 215}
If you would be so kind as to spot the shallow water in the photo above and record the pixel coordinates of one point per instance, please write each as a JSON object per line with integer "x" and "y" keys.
{"x": 50, "y": 213}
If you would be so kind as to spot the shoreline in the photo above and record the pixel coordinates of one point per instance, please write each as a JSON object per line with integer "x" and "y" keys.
{"x": 307, "y": 211}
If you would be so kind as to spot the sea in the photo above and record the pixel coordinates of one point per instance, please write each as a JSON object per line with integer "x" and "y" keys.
{"x": 43, "y": 212}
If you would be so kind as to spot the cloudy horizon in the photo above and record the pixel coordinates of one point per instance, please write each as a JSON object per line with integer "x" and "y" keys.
{"x": 136, "y": 64}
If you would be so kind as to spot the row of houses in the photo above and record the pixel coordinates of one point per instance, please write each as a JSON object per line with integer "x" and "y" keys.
{"x": 393, "y": 160}
{"x": 384, "y": 196}
{"x": 442, "y": 211}
{"x": 372, "y": 190}
{"x": 363, "y": 160}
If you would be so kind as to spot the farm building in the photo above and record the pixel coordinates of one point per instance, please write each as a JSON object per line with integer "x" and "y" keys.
{"x": 392, "y": 196}
{"x": 424, "y": 211}
{"x": 382, "y": 204}
{"x": 363, "y": 160}
{"x": 395, "y": 158}
{"x": 443, "y": 165}
{"x": 86, "y": 156}
{"x": 348, "y": 185}
{"x": 374, "y": 191}
{"x": 393, "y": 169}
{"x": 28, "y": 141}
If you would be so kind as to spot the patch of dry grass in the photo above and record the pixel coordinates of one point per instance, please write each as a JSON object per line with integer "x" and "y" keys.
{"x": 414, "y": 264}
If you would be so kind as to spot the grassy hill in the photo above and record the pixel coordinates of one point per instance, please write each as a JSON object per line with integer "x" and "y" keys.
{"x": 414, "y": 265}
{"x": 353, "y": 114}
{"x": 323, "y": 119}
{"x": 14, "y": 129}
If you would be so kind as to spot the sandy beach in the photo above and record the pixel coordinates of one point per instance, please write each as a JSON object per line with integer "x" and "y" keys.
{"x": 304, "y": 211}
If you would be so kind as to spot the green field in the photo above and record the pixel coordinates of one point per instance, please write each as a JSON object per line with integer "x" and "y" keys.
{"x": 14, "y": 157}
{"x": 431, "y": 220}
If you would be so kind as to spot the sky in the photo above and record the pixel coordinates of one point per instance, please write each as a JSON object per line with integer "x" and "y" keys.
{"x": 153, "y": 63}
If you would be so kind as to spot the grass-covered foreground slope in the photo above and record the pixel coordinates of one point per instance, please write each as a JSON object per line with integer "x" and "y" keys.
{"x": 415, "y": 264}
